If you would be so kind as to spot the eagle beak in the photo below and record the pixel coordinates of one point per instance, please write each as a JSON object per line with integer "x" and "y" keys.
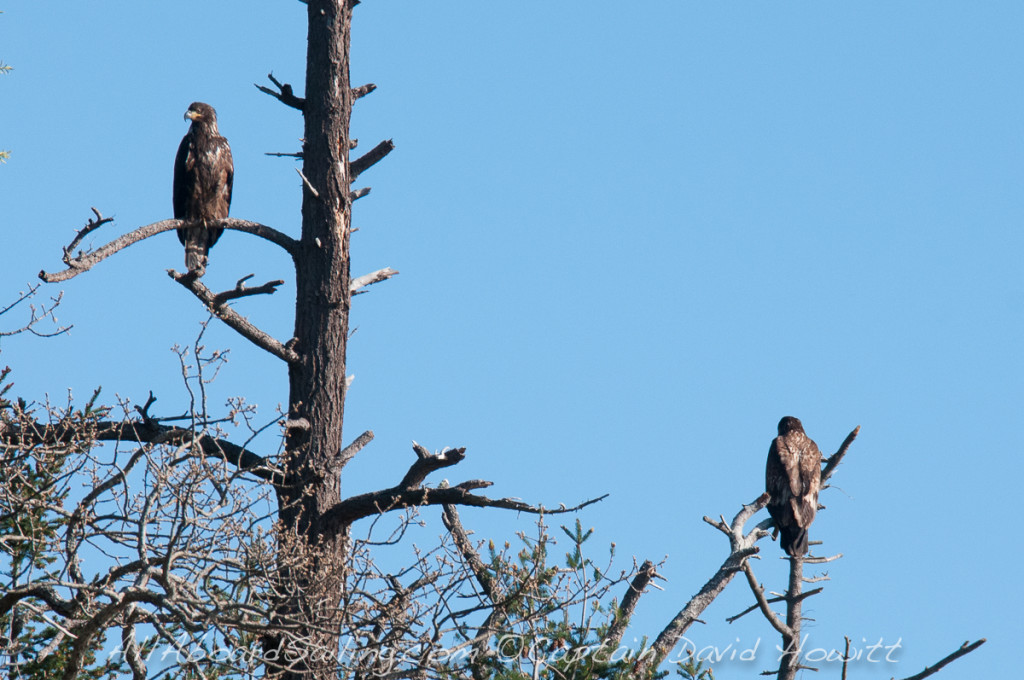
{"x": 191, "y": 114}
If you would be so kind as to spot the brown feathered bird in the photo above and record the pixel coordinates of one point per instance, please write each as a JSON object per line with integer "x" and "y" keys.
{"x": 203, "y": 175}
{"x": 792, "y": 480}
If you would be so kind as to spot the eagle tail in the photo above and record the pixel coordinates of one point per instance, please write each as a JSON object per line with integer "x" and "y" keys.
{"x": 196, "y": 248}
{"x": 794, "y": 541}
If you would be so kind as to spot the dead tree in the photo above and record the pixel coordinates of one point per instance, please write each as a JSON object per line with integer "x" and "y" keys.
{"x": 303, "y": 593}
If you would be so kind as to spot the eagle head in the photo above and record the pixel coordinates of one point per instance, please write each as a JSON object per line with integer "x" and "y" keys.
{"x": 790, "y": 424}
{"x": 198, "y": 111}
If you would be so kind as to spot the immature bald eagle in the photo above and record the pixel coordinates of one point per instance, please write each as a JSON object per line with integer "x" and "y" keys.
{"x": 793, "y": 479}
{"x": 203, "y": 173}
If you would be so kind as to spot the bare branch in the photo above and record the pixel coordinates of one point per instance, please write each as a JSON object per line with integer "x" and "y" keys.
{"x": 452, "y": 522}
{"x": 350, "y": 451}
{"x": 396, "y": 498}
{"x": 965, "y": 648}
{"x": 240, "y": 291}
{"x": 90, "y": 226}
{"x": 284, "y": 93}
{"x": 36, "y": 314}
{"x": 369, "y": 159}
{"x": 233, "y": 318}
{"x": 87, "y": 260}
{"x": 629, "y": 601}
{"x": 363, "y": 90}
{"x": 741, "y": 547}
{"x": 371, "y": 278}
{"x": 147, "y": 432}
{"x": 837, "y": 457}
{"x": 427, "y": 462}
{"x": 358, "y": 193}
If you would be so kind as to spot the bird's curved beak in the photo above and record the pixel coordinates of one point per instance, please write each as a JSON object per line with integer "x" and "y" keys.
{"x": 191, "y": 115}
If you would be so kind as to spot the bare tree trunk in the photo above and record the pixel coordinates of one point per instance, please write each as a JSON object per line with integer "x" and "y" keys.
{"x": 317, "y": 380}
{"x": 790, "y": 662}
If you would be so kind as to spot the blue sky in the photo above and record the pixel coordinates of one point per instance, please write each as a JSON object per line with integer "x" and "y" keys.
{"x": 630, "y": 238}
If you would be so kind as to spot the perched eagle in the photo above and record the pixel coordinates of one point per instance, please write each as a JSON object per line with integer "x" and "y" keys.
{"x": 203, "y": 172}
{"x": 792, "y": 480}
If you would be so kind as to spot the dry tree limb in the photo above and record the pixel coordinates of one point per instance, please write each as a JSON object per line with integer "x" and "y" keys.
{"x": 87, "y": 260}
{"x": 357, "y": 194}
{"x": 427, "y": 462}
{"x": 90, "y": 226}
{"x": 645, "y": 574}
{"x": 145, "y": 432}
{"x": 350, "y": 451}
{"x": 762, "y": 602}
{"x": 835, "y": 459}
{"x": 363, "y": 90}
{"x": 491, "y": 587}
{"x": 409, "y": 493}
{"x": 240, "y": 290}
{"x": 741, "y": 547}
{"x": 234, "y": 319}
{"x": 369, "y": 159}
{"x": 846, "y": 657}
{"x": 370, "y": 279}
{"x": 965, "y": 648}
{"x": 284, "y": 93}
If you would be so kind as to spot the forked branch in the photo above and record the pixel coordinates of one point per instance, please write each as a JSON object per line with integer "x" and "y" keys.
{"x": 741, "y": 547}
{"x": 232, "y": 318}
{"x": 410, "y": 493}
{"x": 86, "y": 260}
{"x": 284, "y": 93}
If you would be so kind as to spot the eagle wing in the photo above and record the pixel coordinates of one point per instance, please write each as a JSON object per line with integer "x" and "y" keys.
{"x": 184, "y": 178}
{"x": 792, "y": 480}
{"x": 222, "y": 180}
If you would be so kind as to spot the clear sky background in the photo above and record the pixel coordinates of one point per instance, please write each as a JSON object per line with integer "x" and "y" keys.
{"x": 631, "y": 237}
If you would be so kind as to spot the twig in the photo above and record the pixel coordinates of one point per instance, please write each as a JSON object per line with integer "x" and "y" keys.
{"x": 316, "y": 194}
{"x": 234, "y": 319}
{"x": 36, "y": 314}
{"x": 754, "y": 607}
{"x": 91, "y": 226}
{"x": 965, "y": 648}
{"x": 295, "y": 154}
{"x": 371, "y": 278}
